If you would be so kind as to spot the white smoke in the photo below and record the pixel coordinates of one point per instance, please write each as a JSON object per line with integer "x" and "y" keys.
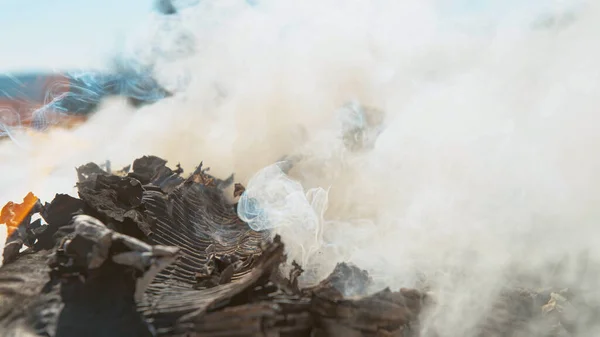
{"x": 485, "y": 165}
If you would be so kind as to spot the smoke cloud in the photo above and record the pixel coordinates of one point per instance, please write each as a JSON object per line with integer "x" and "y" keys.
{"x": 478, "y": 170}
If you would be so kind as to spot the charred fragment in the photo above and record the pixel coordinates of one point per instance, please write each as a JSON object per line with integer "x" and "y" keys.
{"x": 99, "y": 272}
{"x": 81, "y": 284}
{"x": 238, "y": 190}
{"x": 385, "y": 313}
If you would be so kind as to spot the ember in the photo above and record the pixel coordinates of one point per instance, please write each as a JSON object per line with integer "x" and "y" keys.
{"x": 13, "y": 214}
{"x": 150, "y": 252}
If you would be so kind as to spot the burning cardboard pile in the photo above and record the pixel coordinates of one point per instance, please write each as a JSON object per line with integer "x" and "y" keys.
{"x": 148, "y": 252}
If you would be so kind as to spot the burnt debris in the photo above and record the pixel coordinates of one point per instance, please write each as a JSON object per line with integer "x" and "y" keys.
{"x": 147, "y": 251}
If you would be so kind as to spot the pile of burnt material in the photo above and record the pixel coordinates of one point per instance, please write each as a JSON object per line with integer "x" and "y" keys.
{"x": 147, "y": 251}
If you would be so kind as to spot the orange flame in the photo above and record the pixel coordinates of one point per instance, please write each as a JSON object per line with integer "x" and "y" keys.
{"x": 12, "y": 214}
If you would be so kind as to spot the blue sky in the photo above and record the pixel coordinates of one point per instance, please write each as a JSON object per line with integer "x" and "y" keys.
{"x": 47, "y": 34}
{"x": 67, "y": 34}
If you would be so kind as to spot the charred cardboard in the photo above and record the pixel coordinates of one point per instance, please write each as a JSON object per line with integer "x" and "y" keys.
{"x": 149, "y": 252}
